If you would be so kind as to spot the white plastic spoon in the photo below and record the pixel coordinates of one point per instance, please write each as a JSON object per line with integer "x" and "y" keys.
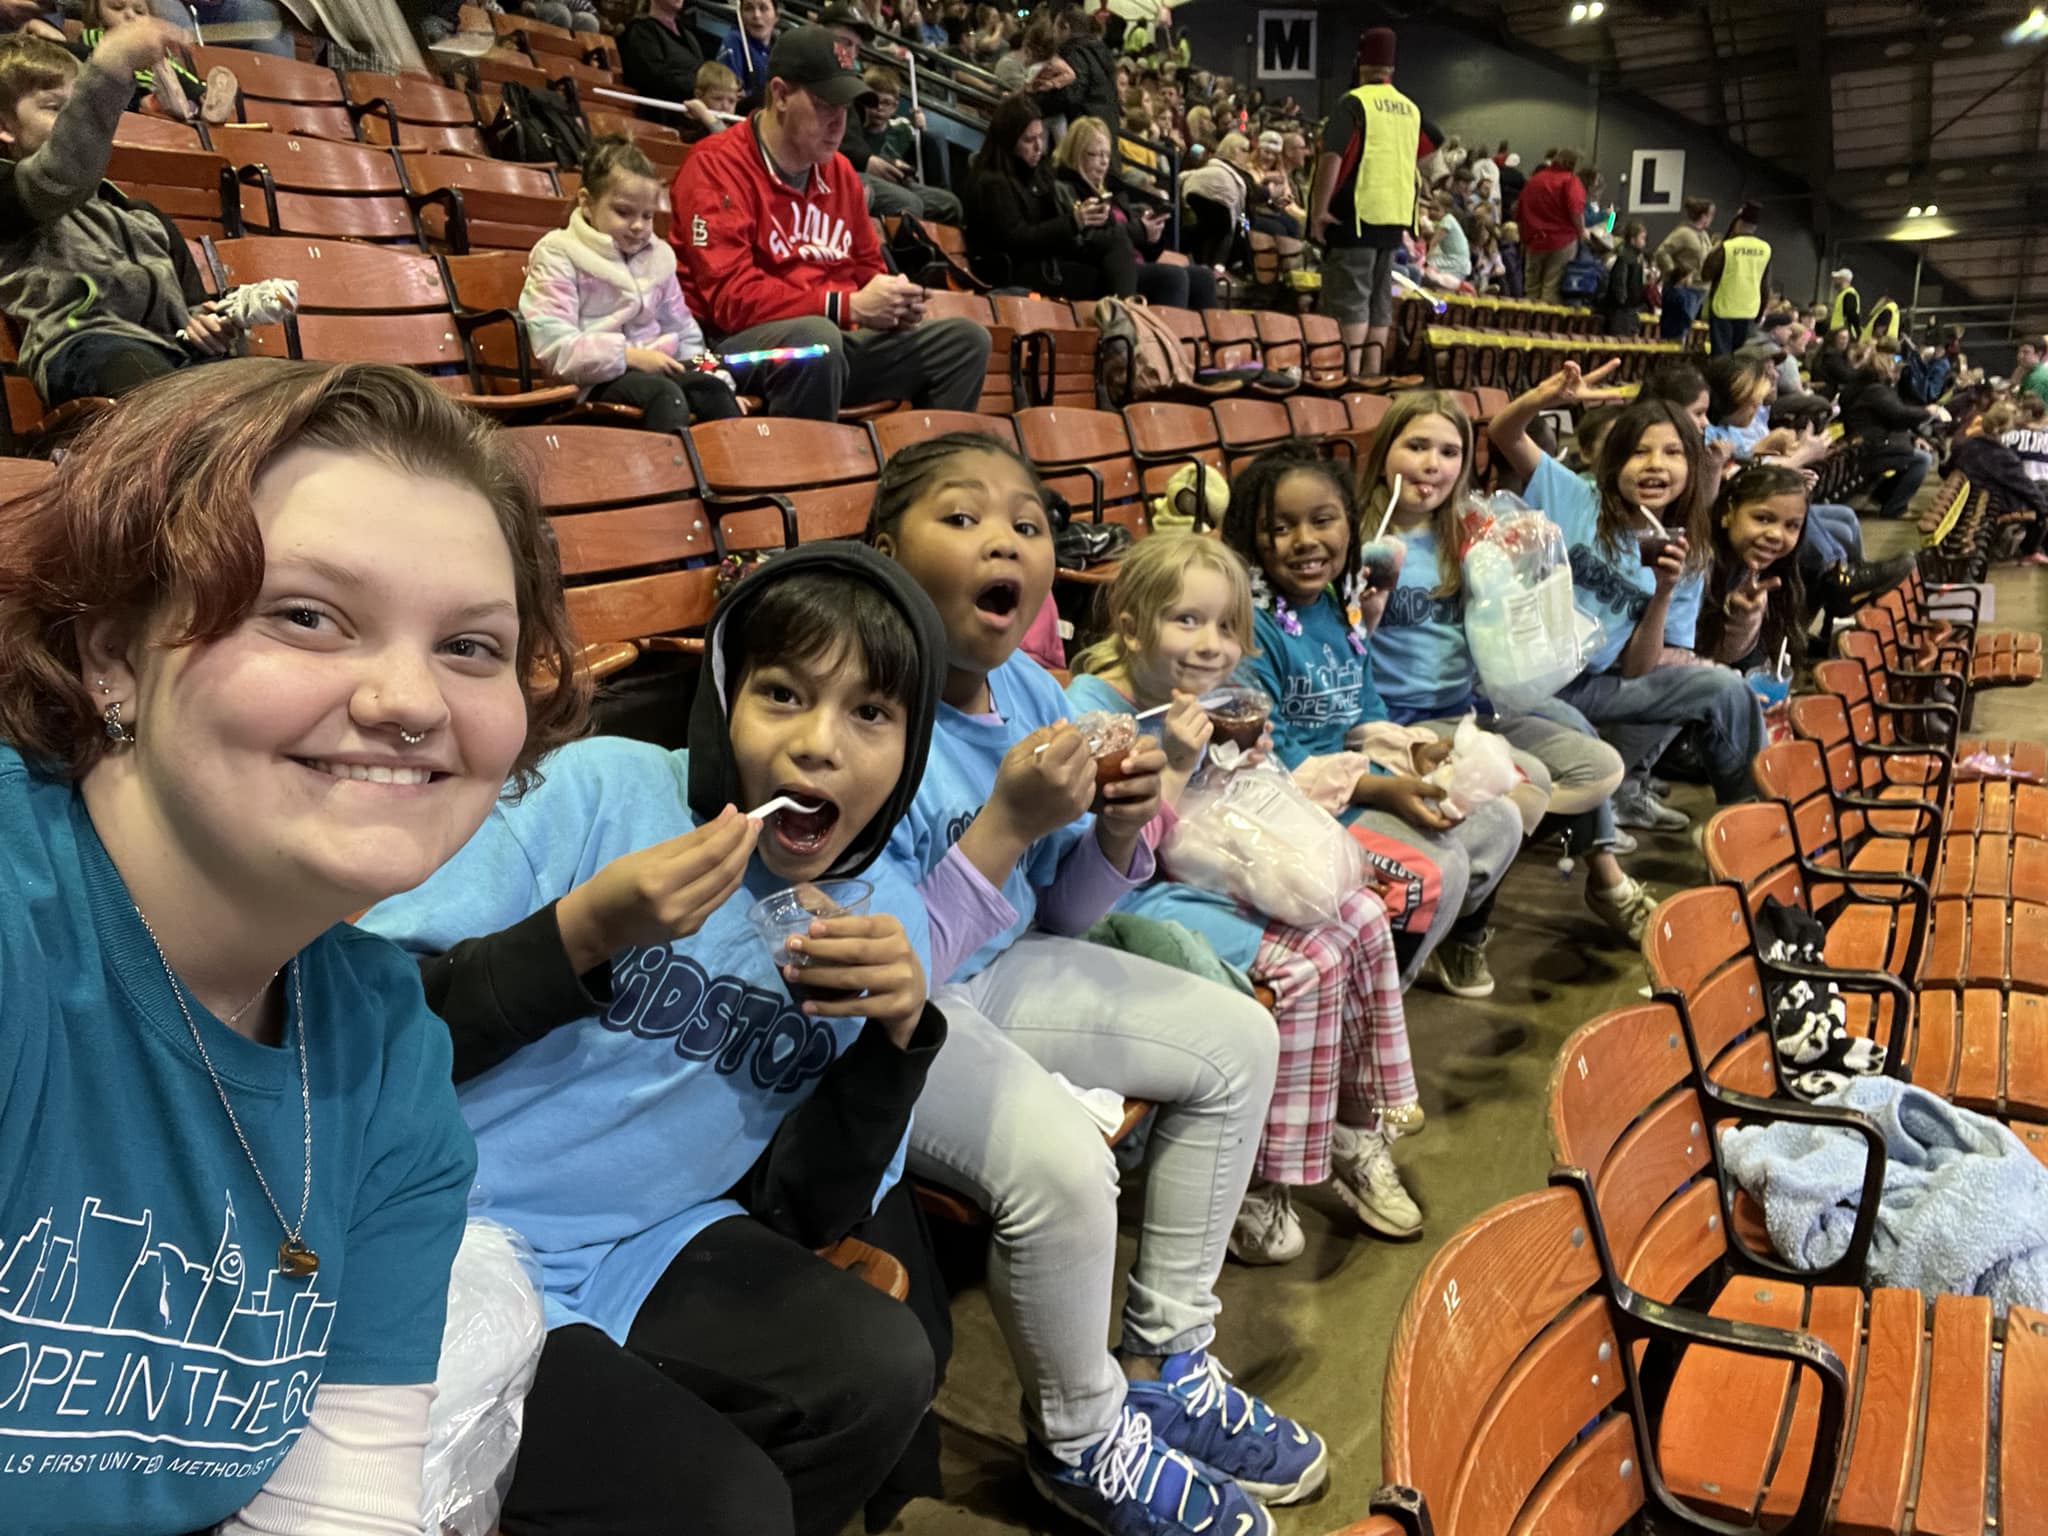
{"x": 1215, "y": 700}
{"x": 782, "y": 803}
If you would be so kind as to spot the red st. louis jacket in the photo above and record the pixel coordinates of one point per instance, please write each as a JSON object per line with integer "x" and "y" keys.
{"x": 751, "y": 249}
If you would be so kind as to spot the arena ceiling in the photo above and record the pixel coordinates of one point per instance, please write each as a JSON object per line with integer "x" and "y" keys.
{"x": 1880, "y": 105}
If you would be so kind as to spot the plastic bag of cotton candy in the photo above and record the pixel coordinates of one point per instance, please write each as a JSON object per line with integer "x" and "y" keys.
{"x": 1527, "y": 639}
{"x": 1479, "y": 768}
{"x": 1252, "y": 835}
{"x": 490, "y": 1348}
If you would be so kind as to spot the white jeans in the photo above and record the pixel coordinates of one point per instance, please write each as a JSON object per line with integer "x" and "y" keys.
{"x": 992, "y": 1123}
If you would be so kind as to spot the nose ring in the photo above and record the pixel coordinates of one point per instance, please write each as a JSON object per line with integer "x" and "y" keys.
{"x": 412, "y": 738}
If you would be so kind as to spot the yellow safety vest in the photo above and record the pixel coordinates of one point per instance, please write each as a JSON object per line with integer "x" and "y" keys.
{"x": 1739, "y": 295}
{"x": 1838, "y": 311}
{"x": 1385, "y": 190}
{"x": 1884, "y": 323}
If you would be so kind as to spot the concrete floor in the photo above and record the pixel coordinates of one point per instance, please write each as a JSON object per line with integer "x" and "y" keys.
{"x": 1312, "y": 1336}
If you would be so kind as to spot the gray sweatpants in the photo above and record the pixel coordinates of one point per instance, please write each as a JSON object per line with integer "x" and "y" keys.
{"x": 938, "y": 365}
{"x": 993, "y": 1124}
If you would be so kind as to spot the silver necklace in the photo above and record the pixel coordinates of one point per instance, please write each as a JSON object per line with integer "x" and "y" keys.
{"x": 294, "y": 1258}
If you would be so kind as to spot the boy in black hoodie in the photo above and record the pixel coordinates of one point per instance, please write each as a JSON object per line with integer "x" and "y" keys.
{"x": 671, "y": 1121}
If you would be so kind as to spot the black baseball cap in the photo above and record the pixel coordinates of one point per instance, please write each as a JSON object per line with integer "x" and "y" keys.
{"x": 837, "y": 13}
{"x": 808, "y": 56}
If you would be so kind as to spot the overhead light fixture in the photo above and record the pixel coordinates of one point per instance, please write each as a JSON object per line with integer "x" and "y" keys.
{"x": 1598, "y": 9}
{"x": 2032, "y": 26}
{"x": 1579, "y": 12}
{"x": 1931, "y": 210}
{"x": 1913, "y": 212}
{"x": 1588, "y": 10}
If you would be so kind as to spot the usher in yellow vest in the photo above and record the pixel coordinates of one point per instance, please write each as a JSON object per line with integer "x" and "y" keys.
{"x": 1385, "y": 190}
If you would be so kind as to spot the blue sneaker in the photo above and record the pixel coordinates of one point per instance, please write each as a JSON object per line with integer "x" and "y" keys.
{"x": 1194, "y": 1408}
{"x": 1131, "y": 1485}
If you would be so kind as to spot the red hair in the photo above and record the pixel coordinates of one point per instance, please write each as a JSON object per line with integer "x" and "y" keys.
{"x": 148, "y": 521}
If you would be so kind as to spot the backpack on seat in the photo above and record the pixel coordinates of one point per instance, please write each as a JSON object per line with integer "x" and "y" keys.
{"x": 1139, "y": 354}
{"x": 537, "y": 126}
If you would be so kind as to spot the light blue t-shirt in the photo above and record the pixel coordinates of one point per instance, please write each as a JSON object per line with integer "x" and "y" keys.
{"x": 967, "y": 750}
{"x": 1321, "y": 687}
{"x": 1420, "y": 659}
{"x": 1742, "y": 441}
{"x": 1232, "y": 932}
{"x": 610, "y": 1142}
{"x": 155, "y": 1365}
{"x": 1612, "y": 586}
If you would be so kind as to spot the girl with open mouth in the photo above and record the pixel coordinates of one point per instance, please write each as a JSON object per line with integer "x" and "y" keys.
{"x": 1014, "y": 866}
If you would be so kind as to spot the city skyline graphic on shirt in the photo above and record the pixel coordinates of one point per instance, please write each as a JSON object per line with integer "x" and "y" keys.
{"x": 109, "y": 1273}
{"x": 112, "y": 1331}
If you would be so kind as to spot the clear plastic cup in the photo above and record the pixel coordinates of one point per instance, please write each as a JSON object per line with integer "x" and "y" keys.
{"x": 777, "y": 917}
{"x": 1240, "y": 714}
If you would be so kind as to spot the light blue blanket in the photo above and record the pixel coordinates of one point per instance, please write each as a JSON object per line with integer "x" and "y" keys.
{"x": 1964, "y": 1209}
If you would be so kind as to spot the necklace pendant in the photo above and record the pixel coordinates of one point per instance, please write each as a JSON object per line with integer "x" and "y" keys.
{"x": 295, "y": 1259}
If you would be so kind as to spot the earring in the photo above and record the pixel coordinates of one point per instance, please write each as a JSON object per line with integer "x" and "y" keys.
{"x": 117, "y": 733}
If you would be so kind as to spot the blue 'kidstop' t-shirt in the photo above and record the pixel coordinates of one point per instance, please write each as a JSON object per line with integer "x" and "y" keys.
{"x": 610, "y": 1143}
{"x": 155, "y": 1365}
{"x": 1610, "y": 585}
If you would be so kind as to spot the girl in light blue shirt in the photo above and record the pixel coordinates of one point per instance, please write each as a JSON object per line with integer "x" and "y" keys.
{"x": 1425, "y": 665}
{"x": 1640, "y": 539}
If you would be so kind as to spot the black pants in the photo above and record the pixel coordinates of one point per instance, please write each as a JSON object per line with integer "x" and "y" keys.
{"x": 761, "y": 1392}
{"x": 670, "y": 403}
{"x": 103, "y": 363}
{"x": 1908, "y": 467}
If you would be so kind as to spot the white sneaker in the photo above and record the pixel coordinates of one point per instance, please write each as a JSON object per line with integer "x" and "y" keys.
{"x": 1625, "y": 908}
{"x": 1266, "y": 1230}
{"x": 1363, "y": 1170}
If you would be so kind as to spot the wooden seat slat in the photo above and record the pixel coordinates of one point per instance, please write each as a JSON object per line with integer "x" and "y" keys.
{"x": 1722, "y": 1420}
{"x": 1955, "y": 1447}
{"x": 1835, "y": 1313}
{"x": 1596, "y": 1487}
{"x": 1873, "y": 1497}
{"x": 2023, "y": 1414}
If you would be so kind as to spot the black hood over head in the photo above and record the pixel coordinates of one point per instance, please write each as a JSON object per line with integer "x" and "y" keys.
{"x": 714, "y": 775}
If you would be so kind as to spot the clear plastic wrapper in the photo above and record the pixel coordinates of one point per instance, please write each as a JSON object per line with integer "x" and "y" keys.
{"x": 1987, "y": 763}
{"x": 1254, "y": 836}
{"x": 1479, "y": 769}
{"x": 489, "y": 1351}
{"x": 1527, "y": 638}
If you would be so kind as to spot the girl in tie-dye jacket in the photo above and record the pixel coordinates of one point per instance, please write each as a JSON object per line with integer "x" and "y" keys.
{"x": 602, "y": 305}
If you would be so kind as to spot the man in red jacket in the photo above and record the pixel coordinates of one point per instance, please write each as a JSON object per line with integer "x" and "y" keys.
{"x": 775, "y": 248}
{"x": 1552, "y": 215}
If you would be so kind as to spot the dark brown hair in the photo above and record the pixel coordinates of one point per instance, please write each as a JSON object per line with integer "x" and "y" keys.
{"x": 611, "y": 157}
{"x": 149, "y": 522}
{"x": 1690, "y": 514}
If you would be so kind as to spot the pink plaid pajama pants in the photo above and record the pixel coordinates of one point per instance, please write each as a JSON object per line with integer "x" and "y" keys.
{"x": 1343, "y": 1035}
